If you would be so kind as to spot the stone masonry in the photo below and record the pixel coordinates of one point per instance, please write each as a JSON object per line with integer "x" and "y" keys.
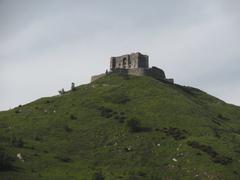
{"x": 129, "y": 61}
{"x": 135, "y": 64}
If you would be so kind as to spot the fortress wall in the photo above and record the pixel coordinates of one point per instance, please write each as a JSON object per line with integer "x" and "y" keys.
{"x": 156, "y": 73}
{"x": 129, "y": 61}
{"x": 170, "y": 80}
{"x": 137, "y": 72}
{"x": 120, "y": 71}
{"x": 94, "y": 78}
{"x": 153, "y": 72}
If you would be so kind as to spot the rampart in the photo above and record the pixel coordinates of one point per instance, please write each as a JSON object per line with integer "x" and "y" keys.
{"x": 135, "y": 64}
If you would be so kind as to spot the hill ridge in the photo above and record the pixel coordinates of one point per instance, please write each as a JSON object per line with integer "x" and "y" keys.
{"x": 122, "y": 127}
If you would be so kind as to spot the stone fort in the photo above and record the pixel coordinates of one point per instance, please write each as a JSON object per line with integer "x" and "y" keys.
{"x": 136, "y": 64}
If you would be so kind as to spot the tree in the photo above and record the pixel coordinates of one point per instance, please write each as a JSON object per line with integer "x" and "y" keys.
{"x": 62, "y": 91}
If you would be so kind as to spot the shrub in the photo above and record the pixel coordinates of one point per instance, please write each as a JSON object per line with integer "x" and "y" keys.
{"x": 117, "y": 98}
{"x": 98, "y": 176}
{"x": 37, "y": 137}
{"x": 221, "y": 117}
{"x": 47, "y": 101}
{"x": 73, "y": 117}
{"x": 67, "y": 128}
{"x": 135, "y": 126}
{"x": 63, "y": 159}
{"x": 62, "y": 91}
{"x": 216, "y": 158}
{"x": 176, "y": 133}
{"x": 125, "y": 76}
{"x": 17, "y": 142}
{"x": 106, "y": 112}
{"x": 120, "y": 117}
{"x": 5, "y": 161}
{"x": 73, "y": 88}
{"x": 122, "y": 99}
{"x": 18, "y": 111}
{"x": 106, "y": 72}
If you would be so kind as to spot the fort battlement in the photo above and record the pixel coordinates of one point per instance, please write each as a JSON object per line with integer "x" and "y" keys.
{"x": 135, "y": 64}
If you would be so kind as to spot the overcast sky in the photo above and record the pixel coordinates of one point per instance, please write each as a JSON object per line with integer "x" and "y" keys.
{"x": 47, "y": 44}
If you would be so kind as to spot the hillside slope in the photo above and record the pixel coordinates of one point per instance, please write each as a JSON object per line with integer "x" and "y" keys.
{"x": 122, "y": 127}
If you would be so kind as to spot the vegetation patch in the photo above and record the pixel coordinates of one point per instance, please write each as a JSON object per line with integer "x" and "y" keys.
{"x": 67, "y": 128}
{"x": 17, "y": 142}
{"x": 63, "y": 159}
{"x": 120, "y": 117}
{"x": 216, "y": 158}
{"x": 124, "y": 76}
{"x": 47, "y": 102}
{"x": 135, "y": 126}
{"x": 73, "y": 117}
{"x": 98, "y": 176}
{"x": 114, "y": 139}
{"x": 117, "y": 98}
{"x": 177, "y": 134}
{"x": 217, "y": 122}
{"x": 18, "y": 111}
{"x": 105, "y": 112}
{"x": 216, "y": 132}
{"x": 5, "y": 161}
{"x": 221, "y": 117}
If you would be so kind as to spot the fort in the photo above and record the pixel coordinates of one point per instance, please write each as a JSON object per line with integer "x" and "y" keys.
{"x": 136, "y": 64}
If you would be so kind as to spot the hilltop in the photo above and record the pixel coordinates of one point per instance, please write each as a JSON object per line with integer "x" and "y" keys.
{"x": 122, "y": 127}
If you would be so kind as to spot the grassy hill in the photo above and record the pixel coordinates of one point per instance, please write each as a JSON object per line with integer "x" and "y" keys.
{"x": 122, "y": 127}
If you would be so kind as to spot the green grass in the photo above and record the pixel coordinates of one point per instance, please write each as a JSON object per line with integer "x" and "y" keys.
{"x": 123, "y": 127}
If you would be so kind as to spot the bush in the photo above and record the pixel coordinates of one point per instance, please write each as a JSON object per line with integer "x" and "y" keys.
{"x": 122, "y": 99}
{"x": 120, "y": 117}
{"x": 5, "y": 161}
{"x": 98, "y": 176}
{"x": 106, "y": 112}
{"x": 73, "y": 88}
{"x": 63, "y": 159}
{"x": 18, "y": 111}
{"x": 216, "y": 158}
{"x": 37, "y": 137}
{"x": 67, "y": 128}
{"x": 17, "y": 142}
{"x": 117, "y": 98}
{"x": 62, "y": 91}
{"x": 73, "y": 117}
{"x": 135, "y": 126}
{"x": 176, "y": 133}
{"x": 125, "y": 76}
{"x": 47, "y": 102}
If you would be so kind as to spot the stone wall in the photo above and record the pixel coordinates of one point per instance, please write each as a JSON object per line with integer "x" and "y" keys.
{"x": 153, "y": 72}
{"x": 94, "y": 78}
{"x": 135, "y": 64}
{"x": 134, "y": 72}
{"x": 170, "y": 80}
{"x": 156, "y": 73}
{"x": 137, "y": 72}
{"x": 129, "y": 61}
